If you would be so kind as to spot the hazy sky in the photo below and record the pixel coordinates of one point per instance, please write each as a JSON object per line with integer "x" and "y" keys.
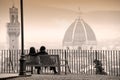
{"x": 45, "y": 21}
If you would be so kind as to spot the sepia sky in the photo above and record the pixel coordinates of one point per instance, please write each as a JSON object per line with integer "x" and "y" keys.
{"x": 45, "y": 21}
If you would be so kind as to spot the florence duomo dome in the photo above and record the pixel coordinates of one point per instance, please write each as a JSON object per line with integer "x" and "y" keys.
{"x": 79, "y": 35}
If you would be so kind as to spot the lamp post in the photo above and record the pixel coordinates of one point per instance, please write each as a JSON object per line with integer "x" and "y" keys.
{"x": 22, "y": 59}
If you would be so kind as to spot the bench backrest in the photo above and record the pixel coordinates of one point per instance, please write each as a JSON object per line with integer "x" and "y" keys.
{"x": 43, "y": 60}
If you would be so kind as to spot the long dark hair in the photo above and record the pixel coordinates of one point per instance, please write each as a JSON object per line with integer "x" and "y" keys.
{"x": 32, "y": 51}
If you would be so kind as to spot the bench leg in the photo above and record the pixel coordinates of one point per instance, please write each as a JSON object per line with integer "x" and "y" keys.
{"x": 32, "y": 70}
{"x": 59, "y": 70}
{"x": 38, "y": 70}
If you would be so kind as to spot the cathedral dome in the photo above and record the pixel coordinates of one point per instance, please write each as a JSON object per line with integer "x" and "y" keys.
{"x": 78, "y": 34}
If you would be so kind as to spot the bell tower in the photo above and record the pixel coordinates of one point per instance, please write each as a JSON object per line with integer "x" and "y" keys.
{"x": 13, "y": 29}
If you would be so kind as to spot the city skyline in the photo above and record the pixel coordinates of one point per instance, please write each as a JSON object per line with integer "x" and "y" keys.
{"x": 48, "y": 20}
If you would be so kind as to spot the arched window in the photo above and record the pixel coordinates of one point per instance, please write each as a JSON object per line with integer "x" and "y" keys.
{"x": 79, "y": 48}
{"x": 91, "y": 48}
{"x": 12, "y": 18}
{"x": 67, "y": 48}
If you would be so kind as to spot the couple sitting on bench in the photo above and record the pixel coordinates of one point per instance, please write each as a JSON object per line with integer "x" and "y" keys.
{"x": 41, "y": 52}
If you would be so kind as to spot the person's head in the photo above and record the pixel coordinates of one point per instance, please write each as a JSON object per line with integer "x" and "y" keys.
{"x": 42, "y": 48}
{"x": 32, "y": 50}
{"x": 96, "y": 61}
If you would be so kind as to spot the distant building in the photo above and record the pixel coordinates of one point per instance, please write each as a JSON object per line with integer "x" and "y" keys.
{"x": 79, "y": 35}
{"x": 13, "y": 29}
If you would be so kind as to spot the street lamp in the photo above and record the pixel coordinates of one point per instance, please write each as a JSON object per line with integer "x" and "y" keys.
{"x": 22, "y": 59}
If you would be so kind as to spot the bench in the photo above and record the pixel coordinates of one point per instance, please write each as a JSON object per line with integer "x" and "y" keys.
{"x": 43, "y": 61}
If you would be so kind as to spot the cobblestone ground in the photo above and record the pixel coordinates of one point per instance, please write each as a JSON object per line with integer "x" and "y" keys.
{"x": 67, "y": 77}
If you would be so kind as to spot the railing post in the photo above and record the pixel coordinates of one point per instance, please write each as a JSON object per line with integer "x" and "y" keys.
{"x": 2, "y": 62}
{"x": 119, "y": 63}
{"x": 96, "y": 55}
{"x": 65, "y": 63}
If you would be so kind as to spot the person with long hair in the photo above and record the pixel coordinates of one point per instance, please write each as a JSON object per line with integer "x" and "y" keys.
{"x": 32, "y": 53}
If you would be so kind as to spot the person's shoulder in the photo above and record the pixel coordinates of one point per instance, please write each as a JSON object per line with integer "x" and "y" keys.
{"x": 38, "y": 53}
{"x": 46, "y": 53}
{"x": 32, "y": 54}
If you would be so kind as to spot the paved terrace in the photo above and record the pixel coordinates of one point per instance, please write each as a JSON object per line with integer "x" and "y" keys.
{"x": 57, "y": 77}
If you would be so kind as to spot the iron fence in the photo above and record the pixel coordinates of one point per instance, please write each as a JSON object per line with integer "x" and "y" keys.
{"x": 72, "y": 61}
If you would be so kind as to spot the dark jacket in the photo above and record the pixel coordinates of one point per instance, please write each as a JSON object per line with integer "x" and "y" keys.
{"x": 42, "y": 53}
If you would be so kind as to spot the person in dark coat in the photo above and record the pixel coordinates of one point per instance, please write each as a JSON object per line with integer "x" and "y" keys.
{"x": 32, "y": 52}
{"x": 43, "y": 52}
{"x": 99, "y": 68}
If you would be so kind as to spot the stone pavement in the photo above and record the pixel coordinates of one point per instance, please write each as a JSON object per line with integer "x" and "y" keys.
{"x": 66, "y": 77}
{"x": 6, "y": 76}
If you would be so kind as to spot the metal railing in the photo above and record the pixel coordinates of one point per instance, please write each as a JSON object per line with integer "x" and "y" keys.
{"x": 72, "y": 61}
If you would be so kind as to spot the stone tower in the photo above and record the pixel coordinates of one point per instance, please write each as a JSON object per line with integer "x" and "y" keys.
{"x": 13, "y": 29}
